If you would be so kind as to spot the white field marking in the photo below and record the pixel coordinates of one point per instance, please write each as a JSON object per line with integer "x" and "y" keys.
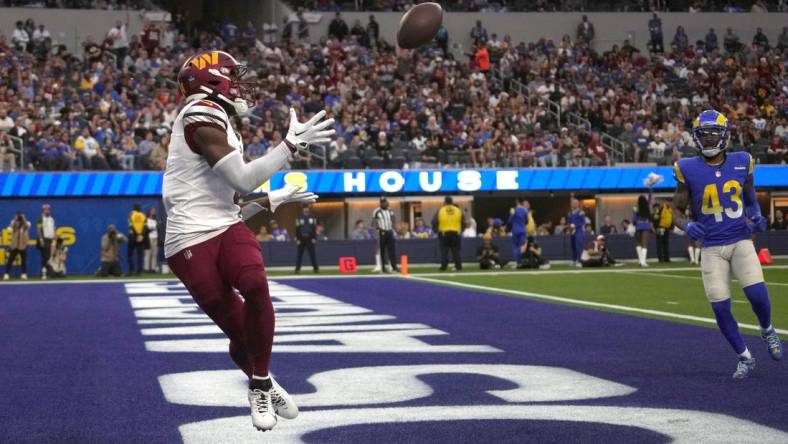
{"x": 672, "y": 303}
{"x": 173, "y": 279}
{"x": 738, "y": 301}
{"x": 572, "y": 301}
{"x": 681, "y": 276}
{"x": 214, "y": 330}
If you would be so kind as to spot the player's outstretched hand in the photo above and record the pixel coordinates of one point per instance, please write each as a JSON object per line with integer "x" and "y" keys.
{"x": 289, "y": 193}
{"x": 695, "y": 231}
{"x": 758, "y": 224}
{"x": 315, "y": 130}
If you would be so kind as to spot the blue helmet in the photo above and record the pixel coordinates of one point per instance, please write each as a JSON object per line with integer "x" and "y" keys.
{"x": 710, "y": 132}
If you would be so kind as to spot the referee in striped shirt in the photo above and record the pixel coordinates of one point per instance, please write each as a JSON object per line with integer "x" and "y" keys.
{"x": 383, "y": 220}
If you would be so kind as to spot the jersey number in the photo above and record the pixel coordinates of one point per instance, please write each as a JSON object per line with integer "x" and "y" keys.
{"x": 711, "y": 200}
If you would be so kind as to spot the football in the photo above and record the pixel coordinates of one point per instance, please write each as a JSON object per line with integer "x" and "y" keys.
{"x": 419, "y": 25}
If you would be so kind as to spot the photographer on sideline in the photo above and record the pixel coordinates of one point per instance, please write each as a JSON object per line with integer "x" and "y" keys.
{"x": 110, "y": 252}
{"x": 488, "y": 255}
{"x": 596, "y": 254}
{"x": 19, "y": 227}
{"x": 531, "y": 255}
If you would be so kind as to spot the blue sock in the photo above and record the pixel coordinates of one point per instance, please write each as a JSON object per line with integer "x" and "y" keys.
{"x": 759, "y": 299}
{"x": 728, "y": 326}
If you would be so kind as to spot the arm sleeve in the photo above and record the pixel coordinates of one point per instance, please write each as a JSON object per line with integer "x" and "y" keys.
{"x": 246, "y": 177}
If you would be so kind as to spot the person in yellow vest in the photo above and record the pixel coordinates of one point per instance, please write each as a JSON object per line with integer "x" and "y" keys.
{"x": 448, "y": 223}
{"x": 136, "y": 246}
{"x": 663, "y": 223}
{"x": 19, "y": 228}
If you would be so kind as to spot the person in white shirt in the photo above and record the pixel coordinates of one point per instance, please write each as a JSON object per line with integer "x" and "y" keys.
{"x": 86, "y": 147}
{"x": 151, "y": 257}
{"x": 45, "y": 235}
{"x": 19, "y": 37}
{"x": 120, "y": 42}
{"x": 40, "y": 34}
{"x": 657, "y": 147}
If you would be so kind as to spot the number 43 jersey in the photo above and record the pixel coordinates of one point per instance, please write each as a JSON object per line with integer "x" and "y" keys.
{"x": 716, "y": 195}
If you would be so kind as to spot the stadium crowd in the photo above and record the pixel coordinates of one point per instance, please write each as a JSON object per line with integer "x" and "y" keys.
{"x": 110, "y": 107}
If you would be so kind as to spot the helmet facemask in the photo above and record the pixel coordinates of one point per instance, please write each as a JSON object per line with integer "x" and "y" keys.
{"x": 711, "y": 140}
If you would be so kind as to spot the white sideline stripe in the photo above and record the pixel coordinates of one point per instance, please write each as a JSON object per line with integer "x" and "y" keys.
{"x": 173, "y": 279}
{"x": 680, "y": 276}
{"x": 585, "y": 303}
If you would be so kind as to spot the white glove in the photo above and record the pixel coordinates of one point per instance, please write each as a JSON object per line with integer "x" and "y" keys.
{"x": 289, "y": 193}
{"x": 301, "y": 135}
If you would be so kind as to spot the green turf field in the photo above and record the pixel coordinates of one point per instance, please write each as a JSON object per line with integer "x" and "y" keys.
{"x": 655, "y": 292}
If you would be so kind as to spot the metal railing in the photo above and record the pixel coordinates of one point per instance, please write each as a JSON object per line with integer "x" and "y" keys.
{"x": 578, "y": 121}
{"x": 616, "y": 148}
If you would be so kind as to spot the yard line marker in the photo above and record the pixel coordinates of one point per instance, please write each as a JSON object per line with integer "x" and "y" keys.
{"x": 546, "y": 297}
{"x": 672, "y": 302}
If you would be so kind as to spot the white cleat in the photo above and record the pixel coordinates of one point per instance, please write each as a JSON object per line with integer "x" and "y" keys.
{"x": 284, "y": 405}
{"x": 263, "y": 417}
{"x": 24, "y": 276}
{"x": 6, "y": 277}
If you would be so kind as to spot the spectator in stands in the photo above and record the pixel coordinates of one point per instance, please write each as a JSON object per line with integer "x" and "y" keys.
{"x": 58, "y": 257}
{"x": 320, "y": 232}
{"x": 403, "y": 231}
{"x": 421, "y": 230}
{"x": 760, "y": 40}
{"x": 731, "y": 41}
{"x": 17, "y": 247}
{"x": 478, "y": 34}
{"x": 482, "y": 58}
{"x": 119, "y": 41}
{"x": 142, "y": 160}
{"x": 680, "y": 40}
{"x": 608, "y": 227}
{"x": 279, "y": 234}
{"x": 110, "y": 252}
{"x": 338, "y": 28}
{"x": 7, "y": 156}
{"x": 780, "y": 222}
{"x": 585, "y": 32}
{"x": 20, "y": 38}
{"x": 656, "y": 43}
{"x": 759, "y": 7}
{"x": 531, "y": 255}
{"x": 158, "y": 155}
{"x": 711, "y": 42}
{"x": 561, "y": 227}
{"x": 136, "y": 246}
{"x": 151, "y": 242}
{"x": 360, "y": 232}
{"x": 6, "y": 122}
{"x": 470, "y": 224}
{"x": 306, "y": 237}
{"x": 263, "y": 235}
{"x": 45, "y": 235}
{"x": 782, "y": 39}
{"x": 373, "y": 31}
{"x": 442, "y": 39}
{"x": 448, "y": 222}
{"x": 777, "y": 150}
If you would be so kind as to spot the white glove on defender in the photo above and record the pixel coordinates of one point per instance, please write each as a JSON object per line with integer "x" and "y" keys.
{"x": 288, "y": 194}
{"x": 301, "y": 135}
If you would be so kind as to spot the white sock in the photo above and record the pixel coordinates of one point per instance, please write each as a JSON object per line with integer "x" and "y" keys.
{"x": 638, "y": 248}
{"x": 764, "y": 330}
{"x": 261, "y": 377}
{"x": 746, "y": 354}
{"x": 691, "y": 251}
{"x": 697, "y": 255}
{"x": 377, "y": 261}
{"x": 645, "y": 254}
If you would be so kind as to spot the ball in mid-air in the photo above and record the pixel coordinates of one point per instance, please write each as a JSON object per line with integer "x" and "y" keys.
{"x": 419, "y": 25}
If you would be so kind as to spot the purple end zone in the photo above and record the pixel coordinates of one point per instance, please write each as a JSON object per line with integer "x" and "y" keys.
{"x": 75, "y": 369}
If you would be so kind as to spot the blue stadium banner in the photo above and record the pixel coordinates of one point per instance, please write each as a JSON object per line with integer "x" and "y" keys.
{"x": 360, "y": 182}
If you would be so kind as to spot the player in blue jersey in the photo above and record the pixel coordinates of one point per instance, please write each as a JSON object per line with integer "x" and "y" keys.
{"x": 718, "y": 188}
{"x": 577, "y": 221}
{"x": 518, "y": 220}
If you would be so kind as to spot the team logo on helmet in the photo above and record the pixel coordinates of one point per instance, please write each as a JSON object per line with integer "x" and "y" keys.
{"x": 710, "y": 132}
